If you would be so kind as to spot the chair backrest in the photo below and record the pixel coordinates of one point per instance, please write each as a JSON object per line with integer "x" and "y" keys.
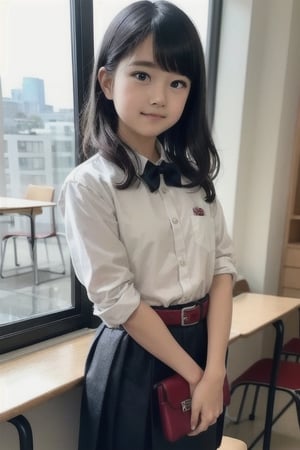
{"x": 40, "y": 192}
{"x": 240, "y": 287}
{"x": 44, "y": 193}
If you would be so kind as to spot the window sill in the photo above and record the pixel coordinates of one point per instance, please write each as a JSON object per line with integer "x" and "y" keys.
{"x": 30, "y": 376}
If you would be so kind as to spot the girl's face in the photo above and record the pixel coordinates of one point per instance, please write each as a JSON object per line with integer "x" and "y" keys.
{"x": 147, "y": 99}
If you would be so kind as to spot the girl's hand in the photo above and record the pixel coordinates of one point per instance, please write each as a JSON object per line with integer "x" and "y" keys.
{"x": 207, "y": 403}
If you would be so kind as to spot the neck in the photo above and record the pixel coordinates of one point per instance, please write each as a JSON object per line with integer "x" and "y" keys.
{"x": 146, "y": 147}
{"x": 151, "y": 154}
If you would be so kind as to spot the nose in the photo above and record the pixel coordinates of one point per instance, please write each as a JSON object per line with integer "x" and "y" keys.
{"x": 158, "y": 95}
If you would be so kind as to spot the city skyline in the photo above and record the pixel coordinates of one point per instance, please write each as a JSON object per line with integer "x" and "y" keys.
{"x": 17, "y": 93}
{"x": 35, "y": 41}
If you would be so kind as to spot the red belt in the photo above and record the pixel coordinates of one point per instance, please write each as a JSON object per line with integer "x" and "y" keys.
{"x": 185, "y": 316}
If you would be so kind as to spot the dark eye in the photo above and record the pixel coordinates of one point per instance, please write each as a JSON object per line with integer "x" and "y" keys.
{"x": 178, "y": 84}
{"x": 141, "y": 76}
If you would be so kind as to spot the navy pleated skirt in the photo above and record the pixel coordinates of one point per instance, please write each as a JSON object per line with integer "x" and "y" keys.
{"x": 119, "y": 408}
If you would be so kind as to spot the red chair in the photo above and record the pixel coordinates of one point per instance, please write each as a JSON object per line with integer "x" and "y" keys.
{"x": 259, "y": 375}
{"x": 292, "y": 349}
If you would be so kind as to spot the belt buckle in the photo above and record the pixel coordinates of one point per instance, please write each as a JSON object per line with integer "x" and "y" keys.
{"x": 184, "y": 318}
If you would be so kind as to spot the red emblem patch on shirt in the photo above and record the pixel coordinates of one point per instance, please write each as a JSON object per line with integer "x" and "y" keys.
{"x": 198, "y": 211}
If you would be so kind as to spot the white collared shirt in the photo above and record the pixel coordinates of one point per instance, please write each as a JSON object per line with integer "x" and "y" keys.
{"x": 127, "y": 245}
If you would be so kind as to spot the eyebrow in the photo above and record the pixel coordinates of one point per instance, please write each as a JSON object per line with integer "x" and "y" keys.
{"x": 144, "y": 63}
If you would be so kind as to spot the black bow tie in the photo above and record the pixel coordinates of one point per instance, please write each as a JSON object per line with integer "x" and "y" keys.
{"x": 151, "y": 175}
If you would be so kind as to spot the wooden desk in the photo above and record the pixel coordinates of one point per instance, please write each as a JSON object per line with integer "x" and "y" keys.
{"x": 29, "y": 208}
{"x": 30, "y": 379}
{"x": 252, "y": 312}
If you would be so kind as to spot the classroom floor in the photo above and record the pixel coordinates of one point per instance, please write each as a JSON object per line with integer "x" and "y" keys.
{"x": 285, "y": 433}
{"x": 20, "y": 298}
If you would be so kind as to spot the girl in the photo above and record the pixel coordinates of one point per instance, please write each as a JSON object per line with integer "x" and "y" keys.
{"x": 147, "y": 235}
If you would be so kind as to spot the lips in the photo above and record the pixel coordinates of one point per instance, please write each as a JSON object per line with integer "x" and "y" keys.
{"x": 152, "y": 115}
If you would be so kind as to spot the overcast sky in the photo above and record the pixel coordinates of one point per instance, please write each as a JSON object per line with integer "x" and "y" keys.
{"x": 35, "y": 41}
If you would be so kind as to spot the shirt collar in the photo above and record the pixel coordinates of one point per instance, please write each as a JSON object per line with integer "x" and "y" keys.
{"x": 142, "y": 160}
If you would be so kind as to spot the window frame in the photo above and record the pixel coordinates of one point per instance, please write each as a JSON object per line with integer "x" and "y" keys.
{"x": 212, "y": 52}
{"x": 36, "y": 329}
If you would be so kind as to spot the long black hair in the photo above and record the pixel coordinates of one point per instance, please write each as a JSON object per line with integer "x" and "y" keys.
{"x": 177, "y": 48}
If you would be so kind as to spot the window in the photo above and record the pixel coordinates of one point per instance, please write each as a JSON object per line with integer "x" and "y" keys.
{"x": 43, "y": 81}
{"x": 63, "y": 146}
{"x": 31, "y": 164}
{"x": 30, "y": 146}
{"x": 30, "y": 178}
{"x": 37, "y": 113}
{"x": 62, "y": 162}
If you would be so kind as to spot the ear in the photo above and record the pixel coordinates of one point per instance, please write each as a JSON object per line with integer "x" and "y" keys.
{"x": 106, "y": 82}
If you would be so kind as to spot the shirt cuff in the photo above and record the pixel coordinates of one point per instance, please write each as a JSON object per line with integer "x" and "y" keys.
{"x": 225, "y": 265}
{"x": 120, "y": 311}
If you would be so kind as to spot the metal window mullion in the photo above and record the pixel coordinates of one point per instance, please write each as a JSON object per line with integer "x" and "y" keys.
{"x": 212, "y": 51}
{"x": 82, "y": 36}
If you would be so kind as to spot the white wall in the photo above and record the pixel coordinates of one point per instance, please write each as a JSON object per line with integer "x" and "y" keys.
{"x": 257, "y": 100}
{"x": 233, "y": 57}
{"x": 257, "y": 106}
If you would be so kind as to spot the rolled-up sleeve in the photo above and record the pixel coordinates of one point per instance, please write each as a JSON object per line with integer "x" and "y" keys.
{"x": 98, "y": 256}
{"x": 225, "y": 259}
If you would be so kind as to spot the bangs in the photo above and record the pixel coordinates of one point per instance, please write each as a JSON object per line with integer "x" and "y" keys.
{"x": 175, "y": 52}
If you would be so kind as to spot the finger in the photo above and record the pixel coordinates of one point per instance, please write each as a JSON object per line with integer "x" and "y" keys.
{"x": 203, "y": 425}
{"x": 195, "y": 418}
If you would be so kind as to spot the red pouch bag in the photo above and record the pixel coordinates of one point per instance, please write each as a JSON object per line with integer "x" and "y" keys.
{"x": 175, "y": 406}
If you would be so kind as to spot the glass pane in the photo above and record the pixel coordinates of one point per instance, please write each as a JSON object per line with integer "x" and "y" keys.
{"x": 36, "y": 147}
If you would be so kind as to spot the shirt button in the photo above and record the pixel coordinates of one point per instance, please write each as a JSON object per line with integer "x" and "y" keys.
{"x": 182, "y": 262}
{"x": 174, "y": 220}
{"x": 164, "y": 190}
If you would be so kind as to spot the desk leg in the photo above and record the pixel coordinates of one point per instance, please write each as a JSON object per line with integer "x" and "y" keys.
{"x": 272, "y": 388}
{"x": 25, "y": 433}
{"x": 33, "y": 248}
{"x": 271, "y": 395}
